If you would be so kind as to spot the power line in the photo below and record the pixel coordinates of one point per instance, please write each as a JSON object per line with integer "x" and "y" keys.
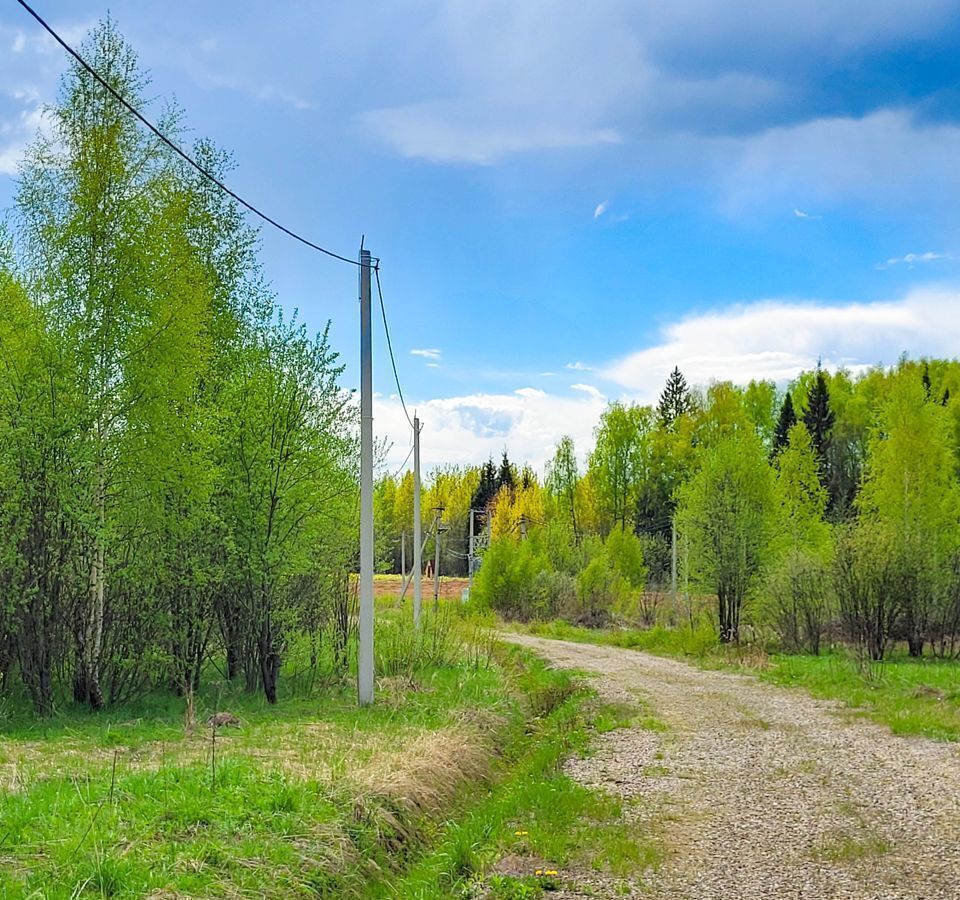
{"x": 402, "y": 465}
{"x": 393, "y": 362}
{"x": 173, "y": 146}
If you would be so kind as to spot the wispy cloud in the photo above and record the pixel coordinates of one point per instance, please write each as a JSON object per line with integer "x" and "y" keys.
{"x": 427, "y": 353}
{"x": 601, "y": 209}
{"x": 578, "y": 366}
{"x": 911, "y": 259}
{"x": 800, "y": 214}
{"x": 442, "y": 132}
{"x": 588, "y": 389}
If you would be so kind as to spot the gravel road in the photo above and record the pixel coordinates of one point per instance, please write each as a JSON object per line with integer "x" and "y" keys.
{"x": 764, "y": 792}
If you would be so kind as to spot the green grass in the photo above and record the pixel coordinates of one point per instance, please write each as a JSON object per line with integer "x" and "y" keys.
{"x": 910, "y": 696}
{"x": 537, "y": 821}
{"x": 314, "y": 797}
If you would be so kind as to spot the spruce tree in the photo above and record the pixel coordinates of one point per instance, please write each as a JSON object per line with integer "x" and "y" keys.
{"x": 505, "y": 474}
{"x": 487, "y": 488}
{"x": 818, "y": 416}
{"x": 786, "y": 421}
{"x": 926, "y": 382}
{"x": 819, "y": 419}
{"x": 675, "y": 399}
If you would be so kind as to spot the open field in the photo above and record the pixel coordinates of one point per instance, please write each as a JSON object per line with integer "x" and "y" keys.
{"x": 385, "y": 586}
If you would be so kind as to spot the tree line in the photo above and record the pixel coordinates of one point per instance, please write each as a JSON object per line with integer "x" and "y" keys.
{"x": 829, "y": 509}
{"x": 177, "y": 461}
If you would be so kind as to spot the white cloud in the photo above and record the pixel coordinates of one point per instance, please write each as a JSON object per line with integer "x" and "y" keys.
{"x": 578, "y": 366}
{"x": 776, "y": 339}
{"x": 601, "y": 209}
{"x": 446, "y": 132}
{"x": 800, "y": 214}
{"x": 427, "y": 353}
{"x": 588, "y": 389}
{"x": 884, "y": 158}
{"x": 19, "y": 42}
{"x": 910, "y": 259}
{"x": 466, "y": 430}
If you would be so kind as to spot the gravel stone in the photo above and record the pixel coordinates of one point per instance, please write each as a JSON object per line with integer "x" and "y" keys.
{"x": 765, "y": 792}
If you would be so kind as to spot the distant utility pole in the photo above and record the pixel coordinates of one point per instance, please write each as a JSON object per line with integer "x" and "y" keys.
{"x": 365, "y": 662}
{"x": 523, "y": 528}
{"x": 417, "y": 538}
{"x": 438, "y": 512}
{"x": 673, "y": 561}
{"x": 470, "y": 550}
{"x": 403, "y": 555}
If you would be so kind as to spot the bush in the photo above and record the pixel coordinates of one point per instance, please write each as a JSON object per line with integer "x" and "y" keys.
{"x": 799, "y": 600}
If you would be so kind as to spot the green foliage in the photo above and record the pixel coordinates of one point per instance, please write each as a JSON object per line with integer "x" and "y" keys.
{"x": 725, "y": 518}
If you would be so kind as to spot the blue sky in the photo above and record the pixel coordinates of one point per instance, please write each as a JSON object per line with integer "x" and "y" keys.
{"x": 568, "y": 198}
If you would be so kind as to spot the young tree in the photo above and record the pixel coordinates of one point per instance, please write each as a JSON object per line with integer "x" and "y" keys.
{"x": 911, "y": 492}
{"x": 619, "y": 461}
{"x": 724, "y": 513}
{"x": 797, "y": 575}
{"x": 562, "y": 477}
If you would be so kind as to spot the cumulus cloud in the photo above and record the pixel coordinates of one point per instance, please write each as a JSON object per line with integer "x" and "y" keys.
{"x": 466, "y": 430}
{"x": 578, "y": 366}
{"x": 776, "y": 339}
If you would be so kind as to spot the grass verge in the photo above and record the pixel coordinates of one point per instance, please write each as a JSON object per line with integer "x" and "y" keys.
{"x": 312, "y": 797}
{"x": 909, "y": 696}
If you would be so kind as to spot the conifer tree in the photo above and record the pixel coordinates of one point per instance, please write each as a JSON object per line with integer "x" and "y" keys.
{"x": 487, "y": 488}
{"x": 506, "y": 477}
{"x": 675, "y": 399}
{"x": 788, "y": 418}
{"x": 819, "y": 419}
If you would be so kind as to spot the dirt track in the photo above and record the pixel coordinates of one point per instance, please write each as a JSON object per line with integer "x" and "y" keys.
{"x": 764, "y": 792}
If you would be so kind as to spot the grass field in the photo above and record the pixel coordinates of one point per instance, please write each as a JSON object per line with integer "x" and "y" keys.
{"x": 910, "y": 696}
{"x": 417, "y": 796}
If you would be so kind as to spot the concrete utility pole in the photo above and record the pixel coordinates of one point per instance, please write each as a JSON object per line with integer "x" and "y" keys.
{"x": 438, "y": 512}
{"x": 523, "y": 528}
{"x": 403, "y": 555}
{"x": 365, "y": 662}
{"x": 417, "y": 538}
{"x": 470, "y": 555}
{"x": 673, "y": 561}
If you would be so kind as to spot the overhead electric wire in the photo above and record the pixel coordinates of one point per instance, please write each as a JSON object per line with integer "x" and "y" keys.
{"x": 393, "y": 362}
{"x": 176, "y": 148}
{"x": 403, "y": 465}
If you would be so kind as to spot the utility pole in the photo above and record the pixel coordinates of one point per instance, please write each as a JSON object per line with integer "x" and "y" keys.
{"x": 470, "y": 555}
{"x": 673, "y": 561}
{"x": 365, "y": 662}
{"x": 523, "y": 528}
{"x": 403, "y": 555}
{"x": 438, "y": 512}
{"x": 417, "y": 538}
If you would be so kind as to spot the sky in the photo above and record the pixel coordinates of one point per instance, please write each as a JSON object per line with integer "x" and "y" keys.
{"x": 568, "y": 199}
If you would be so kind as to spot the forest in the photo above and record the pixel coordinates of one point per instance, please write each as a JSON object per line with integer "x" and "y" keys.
{"x": 177, "y": 458}
{"x": 828, "y": 511}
